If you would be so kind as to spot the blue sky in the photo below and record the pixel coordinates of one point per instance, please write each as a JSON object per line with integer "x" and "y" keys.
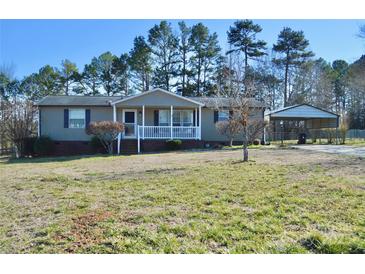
{"x": 30, "y": 44}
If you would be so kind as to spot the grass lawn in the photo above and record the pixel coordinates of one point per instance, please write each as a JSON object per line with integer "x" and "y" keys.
{"x": 282, "y": 201}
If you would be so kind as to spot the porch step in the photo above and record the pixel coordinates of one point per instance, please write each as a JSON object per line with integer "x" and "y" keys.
{"x": 128, "y": 147}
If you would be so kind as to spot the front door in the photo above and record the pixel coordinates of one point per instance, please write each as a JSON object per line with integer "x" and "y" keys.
{"x": 130, "y": 123}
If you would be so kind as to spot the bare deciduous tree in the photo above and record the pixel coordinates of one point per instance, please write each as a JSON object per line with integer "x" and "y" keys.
{"x": 106, "y": 132}
{"x": 19, "y": 123}
{"x": 230, "y": 128}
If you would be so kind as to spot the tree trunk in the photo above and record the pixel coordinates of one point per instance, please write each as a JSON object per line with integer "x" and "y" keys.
{"x": 245, "y": 145}
{"x": 183, "y": 75}
{"x": 231, "y": 142}
{"x": 286, "y": 82}
{"x": 245, "y": 153}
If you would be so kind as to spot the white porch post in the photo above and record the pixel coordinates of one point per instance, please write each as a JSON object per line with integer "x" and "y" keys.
{"x": 171, "y": 120}
{"x": 196, "y": 123}
{"x": 143, "y": 122}
{"x": 114, "y": 113}
{"x": 200, "y": 122}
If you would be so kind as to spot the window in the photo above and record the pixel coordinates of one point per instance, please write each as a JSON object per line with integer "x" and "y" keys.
{"x": 76, "y": 118}
{"x": 183, "y": 118}
{"x": 179, "y": 118}
{"x": 223, "y": 115}
{"x": 164, "y": 117}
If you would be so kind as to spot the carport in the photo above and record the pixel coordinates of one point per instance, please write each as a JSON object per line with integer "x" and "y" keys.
{"x": 306, "y": 117}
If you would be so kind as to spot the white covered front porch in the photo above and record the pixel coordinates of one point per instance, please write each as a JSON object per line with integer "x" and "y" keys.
{"x": 173, "y": 117}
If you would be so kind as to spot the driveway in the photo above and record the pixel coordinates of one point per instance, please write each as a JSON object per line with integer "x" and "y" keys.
{"x": 338, "y": 149}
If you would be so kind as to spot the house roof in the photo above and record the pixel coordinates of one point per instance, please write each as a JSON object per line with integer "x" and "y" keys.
{"x": 212, "y": 102}
{"x": 126, "y": 99}
{"x": 77, "y": 100}
{"x": 304, "y": 111}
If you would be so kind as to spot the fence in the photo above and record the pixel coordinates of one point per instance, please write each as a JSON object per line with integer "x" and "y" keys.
{"x": 355, "y": 133}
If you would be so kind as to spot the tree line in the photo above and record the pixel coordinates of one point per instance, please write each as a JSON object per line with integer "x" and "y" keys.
{"x": 190, "y": 61}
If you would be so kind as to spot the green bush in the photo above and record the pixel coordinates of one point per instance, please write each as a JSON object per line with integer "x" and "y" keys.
{"x": 96, "y": 145}
{"x": 173, "y": 144}
{"x": 43, "y": 146}
{"x": 256, "y": 142}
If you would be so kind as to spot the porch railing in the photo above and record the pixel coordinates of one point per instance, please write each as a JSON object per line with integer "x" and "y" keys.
{"x": 167, "y": 132}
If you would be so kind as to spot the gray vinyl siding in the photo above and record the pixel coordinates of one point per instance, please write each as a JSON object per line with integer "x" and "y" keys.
{"x": 209, "y": 130}
{"x": 52, "y": 122}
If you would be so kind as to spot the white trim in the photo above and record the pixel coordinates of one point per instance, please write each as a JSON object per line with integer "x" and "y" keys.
{"x": 155, "y": 90}
{"x": 171, "y": 120}
{"x": 142, "y": 122}
{"x": 135, "y": 123}
{"x": 114, "y": 113}
{"x": 200, "y": 122}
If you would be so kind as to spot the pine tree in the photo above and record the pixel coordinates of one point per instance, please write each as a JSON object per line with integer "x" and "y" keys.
{"x": 164, "y": 46}
{"x": 104, "y": 68}
{"x": 184, "y": 50}
{"x": 140, "y": 63}
{"x": 67, "y": 75}
{"x": 205, "y": 54}
{"x": 121, "y": 73}
{"x": 242, "y": 38}
{"x": 89, "y": 82}
{"x": 292, "y": 45}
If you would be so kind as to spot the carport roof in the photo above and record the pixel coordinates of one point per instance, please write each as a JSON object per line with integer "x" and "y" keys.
{"x": 302, "y": 111}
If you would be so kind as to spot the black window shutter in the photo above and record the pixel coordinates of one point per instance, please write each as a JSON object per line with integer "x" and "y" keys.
{"x": 87, "y": 117}
{"x": 194, "y": 118}
{"x": 155, "y": 116}
{"x": 215, "y": 116}
{"x": 231, "y": 114}
{"x": 65, "y": 118}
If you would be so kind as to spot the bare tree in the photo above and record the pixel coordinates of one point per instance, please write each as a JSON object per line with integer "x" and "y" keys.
{"x": 230, "y": 128}
{"x": 106, "y": 131}
{"x": 19, "y": 123}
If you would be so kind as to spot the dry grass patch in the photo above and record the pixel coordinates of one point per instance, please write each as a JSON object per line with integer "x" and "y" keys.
{"x": 282, "y": 201}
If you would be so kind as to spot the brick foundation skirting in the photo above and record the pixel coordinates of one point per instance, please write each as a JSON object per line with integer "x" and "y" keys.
{"x": 68, "y": 148}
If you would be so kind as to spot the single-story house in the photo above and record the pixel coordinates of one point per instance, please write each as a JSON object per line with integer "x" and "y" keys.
{"x": 150, "y": 118}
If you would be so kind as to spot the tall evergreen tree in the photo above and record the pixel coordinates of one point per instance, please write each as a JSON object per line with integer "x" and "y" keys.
{"x": 104, "y": 67}
{"x": 205, "y": 54}
{"x": 184, "y": 50}
{"x": 164, "y": 46}
{"x": 121, "y": 73}
{"x": 242, "y": 38}
{"x": 67, "y": 75}
{"x": 292, "y": 46}
{"x": 340, "y": 68}
{"x": 89, "y": 82}
{"x": 140, "y": 63}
